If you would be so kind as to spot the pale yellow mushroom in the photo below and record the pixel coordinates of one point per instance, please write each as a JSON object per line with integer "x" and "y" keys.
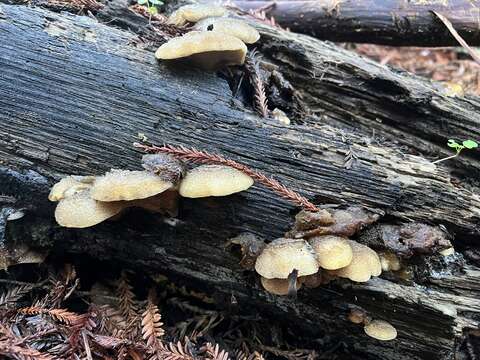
{"x": 278, "y": 286}
{"x": 332, "y": 252}
{"x": 194, "y": 13}
{"x": 365, "y": 264}
{"x": 80, "y": 210}
{"x": 208, "y": 50}
{"x": 213, "y": 180}
{"x": 127, "y": 185}
{"x": 380, "y": 330}
{"x": 282, "y": 256}
{"x": 70, "y": 185}
{"x": 447, "y": 252}
{"x": 389, "y": 261}
{"x": 235, "y": 27}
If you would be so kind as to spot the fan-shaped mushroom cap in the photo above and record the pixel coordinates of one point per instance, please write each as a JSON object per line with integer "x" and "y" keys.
{"x": 209, "y": 50}
{"x": 333, "y": 252}
{"x": 69, "y": 185}
{"x": 119, "y": 185}
{"x": 214, "y": 180}
{"x": 380, "y": 330}
{"x": 282, "y": 256}
{"x": 80, "y": 210}
{"x": 277, "y": 286}
{"x": 364, "y": 265}
{"x": 194, "y": 13}
{"x": 235, "y": 27}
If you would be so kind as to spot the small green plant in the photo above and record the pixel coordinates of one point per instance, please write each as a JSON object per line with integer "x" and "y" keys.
{"x": 467, "y": 144}
{"x": 151, "y": 5}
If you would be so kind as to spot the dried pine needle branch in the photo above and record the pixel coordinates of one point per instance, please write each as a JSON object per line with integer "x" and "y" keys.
{"x": 196, "y": 156}
{"x": 253, "y": 68}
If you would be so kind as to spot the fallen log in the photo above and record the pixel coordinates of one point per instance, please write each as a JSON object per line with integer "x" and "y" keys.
{"x": 390, "y": 22}
{"x": 74, "y": 94}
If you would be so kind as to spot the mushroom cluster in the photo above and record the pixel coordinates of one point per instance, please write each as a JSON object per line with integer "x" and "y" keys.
{"x": 85, "y": 201}
{"x": 215, "y": 40}
{"x": 324, "y": 252}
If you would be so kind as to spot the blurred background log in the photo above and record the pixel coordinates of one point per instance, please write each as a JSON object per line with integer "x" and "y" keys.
{"x": 387, "y": 22}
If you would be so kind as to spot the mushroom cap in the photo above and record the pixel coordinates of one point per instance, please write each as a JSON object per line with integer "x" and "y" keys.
{"x": 209, "y": 50}
{"x": 333, "y": 252}
{"x": 194, "y": 13}
{"x": 380, "y": 330}
{"x": 235, "y": 27}
{"x": 365, "y": 264}
{"x": 80, "y": 210}
{"x": 119, "y": 185}
{"x": 389, "y": 261}
{"x": 70, "y": 185}
{"x": 282, "y": 256}
{"x": 213, "y": 180}
{"x": 277, "y": 286}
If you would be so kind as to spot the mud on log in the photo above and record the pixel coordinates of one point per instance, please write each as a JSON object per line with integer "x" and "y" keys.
{"x": 75, "y": 93}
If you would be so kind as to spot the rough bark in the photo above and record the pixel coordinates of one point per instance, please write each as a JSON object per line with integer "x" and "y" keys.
{"x": 74, "y": 93}
{"x": 388, "y": 22}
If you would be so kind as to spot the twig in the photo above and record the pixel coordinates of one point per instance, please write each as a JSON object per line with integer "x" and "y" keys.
{"x": 457, "y": 36}
{"x": 253, "y": 68}
{"x": 196, "y": 156}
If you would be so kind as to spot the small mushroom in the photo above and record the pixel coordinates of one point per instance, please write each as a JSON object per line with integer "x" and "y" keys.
{"x": 278, "y": 286}
{"x": 194, "y": 13}
{"x": 357, "y": 316}
{"x": 380, "y": 330}
{"x": 447, "y": 252}
{"x": 208, "y": 50}
{"x": 235, "y": 27}
{"x": 389, "y": 261}
{"x": 80, "y": 210}
{"x": 119, "y": 185}
{"x": 70, "y": 185}
{"x": 333, "y": 252}
{"x": 213, "y": 180}
{"x": 282, "y": 256}
{"x": 365, "y": 264}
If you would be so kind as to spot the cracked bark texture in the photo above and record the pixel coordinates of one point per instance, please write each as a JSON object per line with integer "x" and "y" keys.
{"x": 74, "y": 94}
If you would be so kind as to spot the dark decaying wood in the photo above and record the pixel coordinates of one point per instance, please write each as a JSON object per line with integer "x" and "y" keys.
{"x": 75, "y": 93}
{"x": 388, "y": 22}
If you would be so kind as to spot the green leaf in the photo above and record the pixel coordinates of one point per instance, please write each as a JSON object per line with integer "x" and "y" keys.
{"x": 153, "y": 10}
{"x": 155, "y": 2}
{"x": 141, "y": 2}
{"x": 470, "y": 144}
{"x": 453, "y": 144}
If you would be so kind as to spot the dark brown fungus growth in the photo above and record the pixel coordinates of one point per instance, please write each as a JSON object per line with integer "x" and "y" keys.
{"x": 340, "y": 222}
{"x": 406, "y": 240}
{"x": 165, "y": 203}
{"x": 250, "y": 246}
{"x": 165, "y": 166}
{"x": 357, "y": 316}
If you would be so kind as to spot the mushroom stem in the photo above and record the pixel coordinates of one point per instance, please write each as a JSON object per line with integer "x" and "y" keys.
{"x": 292, "y": 284}
{"x": 196, "y": 156}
